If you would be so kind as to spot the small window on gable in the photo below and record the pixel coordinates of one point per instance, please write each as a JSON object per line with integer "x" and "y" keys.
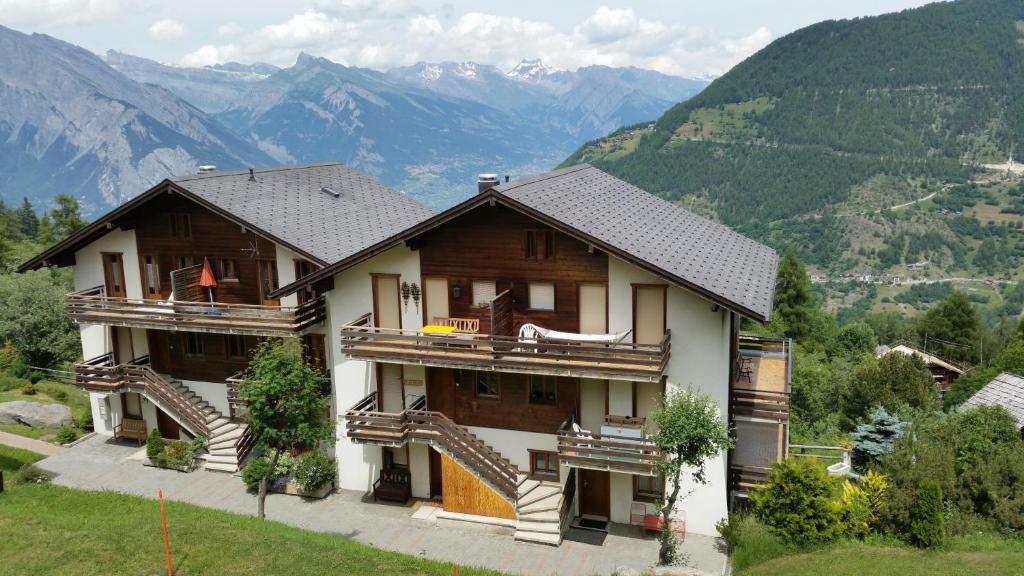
{"x": 151, "y": 273}
{"x": 483, "y": 292}
{"x": 180, "y": 226}
{"x": 531, "y": 244}
{"x": 303, "y": 269}
{"x": 542, "y": 296}
{"x": 228, "y": 268}
{"x": 549, "y": 244}
{"x": 540, "y": 244}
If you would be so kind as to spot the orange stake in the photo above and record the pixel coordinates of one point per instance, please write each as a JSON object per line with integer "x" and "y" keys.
{"x": 167, "y": 541}
{"x": 455, "y": 570}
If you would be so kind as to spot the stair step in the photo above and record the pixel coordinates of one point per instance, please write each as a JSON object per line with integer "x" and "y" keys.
{"x": 549, "y": 538}
{"x": 218, "y": 423}
{"x": 547, "y": 527}
{"x": 217, "y": 459}
{"x": 541, "y": 506}
{"x": 226, "y": 437}
{"x": 229, "y": 451}
{"x": 538, "y": 494}
{"x": 218, "y": 467}
{"x": 549, "y": 515}
{"x": 527, "y": 486}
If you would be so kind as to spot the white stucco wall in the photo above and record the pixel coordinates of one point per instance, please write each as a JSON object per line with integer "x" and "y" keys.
{"x": 286, "y": 272}
{"x": 216, "y": 393}
{"x": 88, "y": 273}
{"x": 352, "y": 296}
{"x": 514, "y": 445}
{"x": 700, "y": 360}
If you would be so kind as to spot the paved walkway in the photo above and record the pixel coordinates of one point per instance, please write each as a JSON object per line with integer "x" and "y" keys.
{"x": 98, "y": 464}
{"x": 37, "y": 446}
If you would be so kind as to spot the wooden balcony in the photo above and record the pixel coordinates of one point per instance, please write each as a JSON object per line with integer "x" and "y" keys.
{"x": 361, "y": 339}
{"x": 761, "y": 385}
{"x": 631, "y": 454}
{"x": 92, "y": 306}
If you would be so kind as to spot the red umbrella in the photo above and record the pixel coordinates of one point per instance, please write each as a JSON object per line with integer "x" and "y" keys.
{"x": 206, "y": 279}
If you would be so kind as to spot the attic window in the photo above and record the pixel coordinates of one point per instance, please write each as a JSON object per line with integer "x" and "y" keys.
{"x": 331, "y": 191}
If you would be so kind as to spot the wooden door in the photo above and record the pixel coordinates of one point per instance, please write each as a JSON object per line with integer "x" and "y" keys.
{"x": 389, "y": 388}
{"x": 595, "y": 493}
{"x": 386, "y": 299}
{"x": 648, "y": 313}
{"x": 268, "y": 281}
{"x": 113, "y": 275}
{"x": 169, "y": 427}
{"x": 441, "y": 391}
{"x": 593, "y": 308}
{"x": 435, "y": 299}
{"x": 159, "y": 351}
{"x": 121, "y": 344}
{"x": 436, "y": 480}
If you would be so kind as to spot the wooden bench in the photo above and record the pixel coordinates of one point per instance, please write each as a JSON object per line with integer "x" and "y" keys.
{"x": 394, "y": 484}
{"x": 464, "y": 325}
{"x": 131, "y": 428}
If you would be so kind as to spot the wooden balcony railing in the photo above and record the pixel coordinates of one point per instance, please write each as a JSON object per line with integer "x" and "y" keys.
{"x": 759, "y": 404}
{"x": 364, "y": 423}
{"x": 584, "y": 449}
{"x": 101, "y": 375}
{"x": 646, "y": 362}
{"x": 92, "y": 306}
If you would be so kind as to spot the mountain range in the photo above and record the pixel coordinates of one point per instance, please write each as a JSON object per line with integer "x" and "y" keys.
{"x": 860, "y": 143}
{"x": 106, "y": 128}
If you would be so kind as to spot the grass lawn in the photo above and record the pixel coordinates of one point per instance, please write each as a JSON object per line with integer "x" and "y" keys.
{"x": 50, "y": 530}
{"x": 975, "y": 555}
{"x": 13, "y": 458}
{"x": 47, "y": 392}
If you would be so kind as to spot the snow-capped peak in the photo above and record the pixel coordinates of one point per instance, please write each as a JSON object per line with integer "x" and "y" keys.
{"x": 531, "y": 69}
{"x": 431, "y": 72}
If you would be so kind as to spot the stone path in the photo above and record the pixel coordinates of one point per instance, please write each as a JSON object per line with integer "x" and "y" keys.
{"x": 98, "y": 464}
{"x": 37, "y": 446}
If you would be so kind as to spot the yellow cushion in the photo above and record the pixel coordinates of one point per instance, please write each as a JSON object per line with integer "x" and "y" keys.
{"x": 435, "y": 329}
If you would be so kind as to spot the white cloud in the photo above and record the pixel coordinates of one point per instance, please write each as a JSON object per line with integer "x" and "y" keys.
{"x": 166, "y": 29}
{"x": 229, "y": 29}
{"x": 394, "y": 33}
{"x": 42, "y": 12}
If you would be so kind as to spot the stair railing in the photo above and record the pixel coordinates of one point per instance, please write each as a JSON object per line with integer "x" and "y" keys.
{"x": 154, "y": 385}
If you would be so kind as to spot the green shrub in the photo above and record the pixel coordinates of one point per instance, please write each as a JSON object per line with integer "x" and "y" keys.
{"x": 28, "y": 389}
{"x": 154, "y": 445}
{"x": 799, "y": 502}
{"x": 254, "y": 472}
{"x": 285, "y": 465}
{"x": 10, "y": 382}
{"x": 927, "y": 528}
{"x": 753, "y": 543}
{"x": 8, "y": 356}
{"x": 177, "y": 453}
{"x": 313, "y": 470}
{"x": 67, "y": 435}
{"x": 30, "y": 474}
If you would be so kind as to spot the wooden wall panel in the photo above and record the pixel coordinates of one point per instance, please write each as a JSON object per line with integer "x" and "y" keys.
{"x": 513, "y": 411}
{"x": 213, "y": 366}
{"x": 488, "y": 244}
{"x": 211, "y": 236}
{"x": 464, "y": 493}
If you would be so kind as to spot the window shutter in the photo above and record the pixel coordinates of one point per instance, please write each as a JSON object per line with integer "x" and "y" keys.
{"x": 542, "y": 295}
{"x": 483, "y": 292}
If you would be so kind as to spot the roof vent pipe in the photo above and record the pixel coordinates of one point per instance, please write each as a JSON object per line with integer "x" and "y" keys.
{"x": 507, "y": 177}
{"x": 330, "y": 191}
{"x": 485, "y": 182}
{"x": 252, "y": 177}
{"x": 207, "y": 168}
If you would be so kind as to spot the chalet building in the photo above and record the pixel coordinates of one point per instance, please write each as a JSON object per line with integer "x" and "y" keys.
{"x": 160, "y": 350}
{"x": 943, "y": 371}
{"x": 502, "y": 357}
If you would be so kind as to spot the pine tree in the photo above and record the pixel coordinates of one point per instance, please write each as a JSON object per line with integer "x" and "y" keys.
{"x": 794, "y": 296}
{"x": 27, "y": 219}
{"x": 875, "y": 438}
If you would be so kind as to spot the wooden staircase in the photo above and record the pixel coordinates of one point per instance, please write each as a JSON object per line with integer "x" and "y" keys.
{"x": 227, "y": 441}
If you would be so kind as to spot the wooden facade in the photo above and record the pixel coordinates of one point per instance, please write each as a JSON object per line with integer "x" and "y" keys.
{"x": 490, "y": 243}
{"x": 218, "y": 360}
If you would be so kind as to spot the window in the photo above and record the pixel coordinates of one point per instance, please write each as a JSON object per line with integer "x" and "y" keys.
{"x": 483, "y": 292}
{"x": 194, "y": 345}
{"x": 540, "y": 244}
{"x": 649, "y": 489}
{"x": 542, "y": 296}
{"x": 151, "y": 275}
{"x": 303, "y": 269}
{"x": 544, "y": 464}
{"x": 488, "y": 385}
{"x": 180, "y": 226}
{"x": 228, "y": 268}
{"x": 185, "y": 262}
{"x": 235, "y": 346}
{"x": 268, "y": 281}
{"x": 542, "y": 389}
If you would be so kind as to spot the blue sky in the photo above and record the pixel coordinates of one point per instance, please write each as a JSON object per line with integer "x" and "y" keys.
{"x": 686, "y": 37}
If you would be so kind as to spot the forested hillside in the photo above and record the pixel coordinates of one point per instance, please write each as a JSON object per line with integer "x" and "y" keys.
{"x": 811, "y": 141}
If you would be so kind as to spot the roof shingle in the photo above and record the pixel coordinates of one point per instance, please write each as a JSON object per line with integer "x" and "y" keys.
{"x": 1006, "y": 390}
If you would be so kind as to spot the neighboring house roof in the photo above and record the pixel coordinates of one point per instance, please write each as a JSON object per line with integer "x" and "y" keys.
{"x": 287, "y": 205}
{"x": 621, "y": 219}
{"x": 1006, "y": 390}
{"x": 928, "y": 359}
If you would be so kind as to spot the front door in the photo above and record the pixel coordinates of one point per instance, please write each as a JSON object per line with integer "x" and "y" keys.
{"x": 169, "y": 427}
{"x": 113, "y": 275}
{"x": 593, "y": 308}
{"x": 386, "y": 298}
{"x": 435, "y": 299}
{"x": 121, "y": 344}
{"x": 648, "y": 314}
{"x": 268, "y": 281}
{"x": 441, "y": 391}
{"x": 595, "y": 493}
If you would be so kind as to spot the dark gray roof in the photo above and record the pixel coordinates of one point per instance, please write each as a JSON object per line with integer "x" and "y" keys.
{"x": 705, "y": 255}
{"x": 288, "y": 203}
{"x": 1006, "y": 390}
